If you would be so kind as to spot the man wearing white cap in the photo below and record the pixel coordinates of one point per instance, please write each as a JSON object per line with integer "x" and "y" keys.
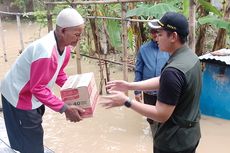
{"x": 26, "y": 88}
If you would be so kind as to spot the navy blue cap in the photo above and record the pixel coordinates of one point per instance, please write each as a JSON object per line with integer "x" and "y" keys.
{"x": 171, "y": 21}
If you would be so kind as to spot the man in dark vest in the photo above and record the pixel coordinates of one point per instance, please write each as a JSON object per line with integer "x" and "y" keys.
{"x": 177, "y": 106}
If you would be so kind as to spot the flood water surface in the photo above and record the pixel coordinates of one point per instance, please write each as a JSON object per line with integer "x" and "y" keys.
{"x": 109, "y": 131}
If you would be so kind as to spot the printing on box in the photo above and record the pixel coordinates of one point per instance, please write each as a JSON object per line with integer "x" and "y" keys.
{"x": 81, "y": 90}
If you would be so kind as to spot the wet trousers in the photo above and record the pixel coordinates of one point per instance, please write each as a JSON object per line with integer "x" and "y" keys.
{"x": 24, "y": 128}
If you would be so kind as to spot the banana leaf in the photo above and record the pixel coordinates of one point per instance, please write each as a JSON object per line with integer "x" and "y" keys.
{"x": 213, "y": 20}
{"x": 209, "y": 7}
{"x": 113, "y": 28}
{"x": 157, "y": 10}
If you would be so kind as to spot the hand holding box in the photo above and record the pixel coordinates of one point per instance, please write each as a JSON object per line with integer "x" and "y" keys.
{"x": 81, "y": 90}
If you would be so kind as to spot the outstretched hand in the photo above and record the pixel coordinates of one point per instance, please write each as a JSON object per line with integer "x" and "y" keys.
{"x": 118, "y": 85}
{"x": 114, "y": 99}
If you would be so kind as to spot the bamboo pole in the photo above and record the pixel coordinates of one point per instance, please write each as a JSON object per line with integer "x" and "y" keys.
{"x": 116, "y": 18}
{"x": 106, "y": 60}
{"x": 124, "y": 40}
{"x": 20, "y": 33}
{"x": 107, "y": 71}
{"x": 3, "y": 39}
{"x": 49, "y": 18}
{"x": 96, "y": 2}
{"x": 192, "y": 19}
{"x": 16, "y": 13}
{"x": 87, "y": 17}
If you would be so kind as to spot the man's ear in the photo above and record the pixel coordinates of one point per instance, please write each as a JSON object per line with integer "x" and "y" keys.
{"x": 174, "y": 37}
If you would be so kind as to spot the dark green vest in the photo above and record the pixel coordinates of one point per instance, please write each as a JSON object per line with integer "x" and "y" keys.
{"x": 182, "y": 130}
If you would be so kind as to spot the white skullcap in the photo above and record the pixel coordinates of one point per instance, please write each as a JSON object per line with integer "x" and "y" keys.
{"x": 69, "y": 17}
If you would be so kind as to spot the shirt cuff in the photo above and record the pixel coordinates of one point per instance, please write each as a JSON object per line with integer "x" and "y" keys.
{"x": 63, "y": 109}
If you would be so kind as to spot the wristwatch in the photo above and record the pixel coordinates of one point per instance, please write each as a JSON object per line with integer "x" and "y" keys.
{"x": 128, "y": 103}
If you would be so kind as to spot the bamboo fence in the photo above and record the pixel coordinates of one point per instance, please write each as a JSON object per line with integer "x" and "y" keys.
{"x": 123, "y": 20}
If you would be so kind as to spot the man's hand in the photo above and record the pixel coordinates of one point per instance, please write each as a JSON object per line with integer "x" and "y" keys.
{"x": 118, "y": 85}
{"x": 114, "y": 99}
{"x": 72, "y": 113}
{"x": 138, "y": 97}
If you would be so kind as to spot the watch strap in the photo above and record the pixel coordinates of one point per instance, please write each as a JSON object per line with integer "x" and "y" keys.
{"x": 128, "y": 103}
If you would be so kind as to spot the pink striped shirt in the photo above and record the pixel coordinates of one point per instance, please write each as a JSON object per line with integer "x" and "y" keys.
{"x": 28, "y": 83}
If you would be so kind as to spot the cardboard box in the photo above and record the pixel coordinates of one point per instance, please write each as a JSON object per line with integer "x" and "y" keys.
{"x": 81, "y": 90}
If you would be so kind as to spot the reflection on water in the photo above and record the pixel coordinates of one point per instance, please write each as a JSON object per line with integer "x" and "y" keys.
{"x": 116, "y": 130}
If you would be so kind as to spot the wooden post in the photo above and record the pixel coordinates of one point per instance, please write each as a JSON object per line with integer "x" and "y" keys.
{"x": 192, "y": 20}
{"x": 107, "y": 71}
{"x": 3, "y": 39}
{"x": 97, "y": 2}
{"x": 49, "y": 18}
{"x": 124, "y": 40}
{"x": 20, "y": 33}
{"x": 78, "y": 57}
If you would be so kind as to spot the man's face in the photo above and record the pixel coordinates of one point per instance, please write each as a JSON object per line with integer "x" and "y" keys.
{"x": 153, "y": 34}
{"x": 72, "y": 35}
{"x": 163, "y": 40}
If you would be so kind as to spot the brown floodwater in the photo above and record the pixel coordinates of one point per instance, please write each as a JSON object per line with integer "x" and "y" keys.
{"x": 118, "y": 130}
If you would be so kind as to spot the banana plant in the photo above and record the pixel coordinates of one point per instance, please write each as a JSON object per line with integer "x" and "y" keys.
{"x": 215, "y": 21}
{"x": 156, "y": 11}
{"x": 214, "y": 18}
{"x": 218, "y": 19}
{"x": 146, "y": 11}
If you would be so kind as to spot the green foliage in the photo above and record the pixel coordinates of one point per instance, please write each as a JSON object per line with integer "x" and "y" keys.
{"x": 131, "y": 39}
{"x": 210, "y": 8}
{"x": 40, "y": 17}
{"x": 20, "y": 3}
{"x": 181, "y": 5}
{"x": 84, "y": 46}
{"x": 113, "y": 27}
{"x": 185, "y": 9}
{"x": 115, "y": 10}
{"x": 157, "y": 10}
{"x": 214, "y": 20}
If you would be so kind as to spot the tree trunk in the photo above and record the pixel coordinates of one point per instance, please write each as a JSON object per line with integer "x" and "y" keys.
{"x": 192, "y": 19}
{"x": 8, "y": 7}
{"x": 201, "y": 40}
{"x": 98, "y": 48}
{"x": 95, "y": 33}
{"x": 124, "y": 41}
{"x": 220, "y": 41}
{"x": 136, "y": 30}
{"x": 29, "y": 5}
{"x": 200, "y": 43}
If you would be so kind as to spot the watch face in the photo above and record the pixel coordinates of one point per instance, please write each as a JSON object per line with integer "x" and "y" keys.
{"x": 127, "y": 104}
